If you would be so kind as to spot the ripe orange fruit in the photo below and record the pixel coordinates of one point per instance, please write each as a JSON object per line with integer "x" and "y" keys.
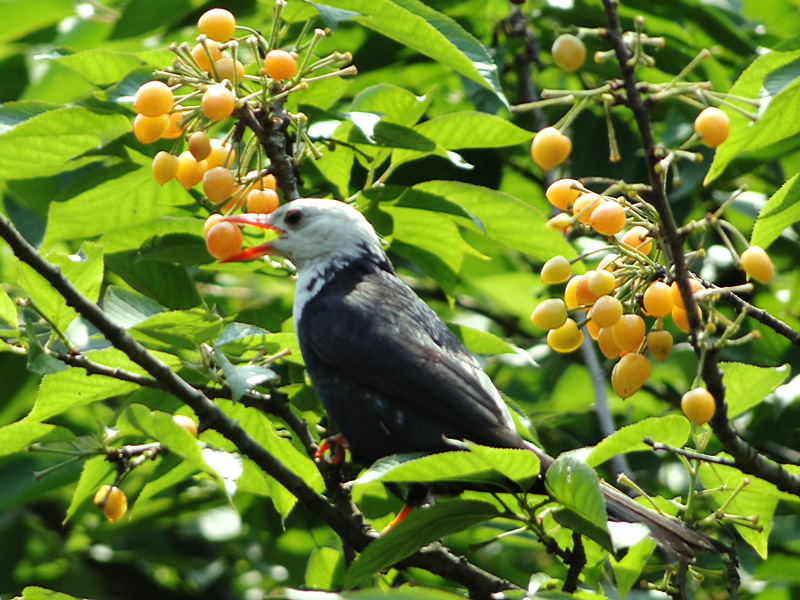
{"x": 629, "y": 332}
{"x": 605, "y": 340}
{"x": 149, "y": 129}
{"x": 262, "y": 201}
{"x": 601, "y": 282}
{"x": 608, "y": 218}
{"x": 218, "y": 102}
{"x": 756, "y": 263}
{"x": 630, "y": 374}
{"x": 556, "y": 270}
{"x": 222, "y": 155}
{"x": 550, "y": 314}
{"x": 186, "y": 422}
{"x": 698, "y": 405}
{"x": 560, "y": 222}
{"x": 210, "y": 222}
{"x": 280, "y": 65}
{"x": 561, "y": 194}
{"x": 583, "y": 294}
{"x": 550, "y": 148}
{"x": 675, "y": 292}
{"x": 571, "y": 292}
{"x": 657, "y": 300}
{"x": 659, "y": 344}
{"x": 218, "y": 184}
{"x": 199, "y": 145}
{"x": 174, "y": 129}
{"x": 568, "y": 52}
{"x": 218, "y": 24}
{"x": 638, "y": 237}
{"x": 681, "y": 319}
{"x": 112, "y": 501}
{"x": 206, "y": 55}
{"x": 607, "y": 311}
{"x": 153, "y": 99}
{"x": 165, "y": 167}
{"x": 565, "y": 338}
{"x": 229, "y": 69}
{"x": 190, "y": 171}
{"x": 713, "y": 126}
{"x": 223, "y": 240}
{"x": 585, "y": 206}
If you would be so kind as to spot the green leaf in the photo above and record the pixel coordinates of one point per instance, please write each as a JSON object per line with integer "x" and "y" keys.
{"x": 17, "y": 436}
{"x": 45, "y": 144}
{"x": 40, "y": 361}
{"x": 481, "y": 466}
{"x": 169, "y": 473}
{"x": 8, "y": 313}
{"x": 505, "y": 218}
{"x": 112, "y": 206}
{"x": 782, "y": 211}
{"x": 101, "y": 67}
{"x": 747, "y": 385}
{"x": 406, "y": 592}
{"x": 128, "y": 308}
{"x": 241, "y": 379}
{"x": 671, "y": 429}
{"x": 324, "y": 569}
{"x": 176, "y": 329}
{"x": 757, "y": 498}
{"x": 176, "y": 248}
{"x": 394, "y": 104}
{"x": 420, "y": 528}
{"x": 84, "y": 270}
{"x": 20, "y": 17}
{"x": 628, "y": 569}
{"x": 773, "y": 78}
{"x": 39, "y": 593}
{"x": 575, "y": 485}
{"x": 143, "y": 16}
{"x": 95, "y": 472}
{"x": 66, "y": 389}
{"x": 370, "y": 129}
{"x": 429, "y": 32}
{"x": 481, "y": 342}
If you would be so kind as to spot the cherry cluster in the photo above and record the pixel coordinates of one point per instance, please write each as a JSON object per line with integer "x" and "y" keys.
{"x": 220, "y": 77}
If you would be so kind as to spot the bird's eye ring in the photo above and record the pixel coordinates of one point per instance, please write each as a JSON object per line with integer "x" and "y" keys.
{"x": 293, "y": 217}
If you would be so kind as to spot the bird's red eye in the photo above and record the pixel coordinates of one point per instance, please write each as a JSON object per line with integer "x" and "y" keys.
{"x": 293, "y": 217}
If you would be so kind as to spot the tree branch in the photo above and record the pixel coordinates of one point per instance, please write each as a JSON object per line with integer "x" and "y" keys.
{"x": 353, "y": 531}
{"x": 746, "y": 457}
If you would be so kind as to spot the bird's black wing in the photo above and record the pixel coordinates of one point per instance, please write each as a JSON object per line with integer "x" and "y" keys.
{"x": 372, "y": 329}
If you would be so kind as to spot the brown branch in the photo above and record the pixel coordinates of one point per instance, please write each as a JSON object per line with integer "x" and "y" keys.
{"x": 746, "y": 457}
{"x": 760, "y": 315}
{"x": 351, "y": 528}
{"x": 717, "y": 460}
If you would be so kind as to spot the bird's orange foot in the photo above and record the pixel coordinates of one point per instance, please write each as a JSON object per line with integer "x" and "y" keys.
{"x": 404, "y": 512}
{"x": 335, "y": 445}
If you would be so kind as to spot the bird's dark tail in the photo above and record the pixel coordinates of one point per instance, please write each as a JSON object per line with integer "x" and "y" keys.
{"x": 669, "y": 532}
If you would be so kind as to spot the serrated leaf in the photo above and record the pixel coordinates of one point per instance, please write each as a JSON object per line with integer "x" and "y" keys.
{"x": 405, "y": 592}
{"x": 8, "y": 313}
{"x": 782, "y": 211}
{"x": 671, "y": 429}
{"x": 169, "y": 473}
{"x": 758, "y": 498}
{"x": 46, "y": 143}
{"x": 101, "y": 67}
{"x": 39, "y": 593}
{"x": 324, "y": 569}
{"x": 83, "y": 269}
{"x": 457, "y": 466}
{"x": 628, "y": 569}
{"x": 177, "y": 248}
{"x": 505, "y": 218}
{"x": 241, "y": 379}
{"x": 773, "y": 78}
{"x": 113, "y": 205}
{"x": 39, "y": 361}
{"x": 60, "y": 391}
{"x": 185, "y": 329}
{"x": 95, "y": 472}
{"x": 394, "y": 104}
{"x": 16, "y": 436}
{"x": 575, "y": 485}
{"x": 429, "y": 32}
{"x": 128, "y": 308}
{"x": 481, "y": 342}
{"x": 370, "y": 129}
{"x": 420, "y": 528}
{"x": 333, "y": 16}
{"x": 747, "y": 385}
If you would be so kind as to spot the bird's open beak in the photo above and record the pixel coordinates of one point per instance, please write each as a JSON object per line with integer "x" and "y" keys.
{"x": 255, "y": 220}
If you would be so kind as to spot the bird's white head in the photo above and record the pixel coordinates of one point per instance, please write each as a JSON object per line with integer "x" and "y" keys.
{"x": 312, "y": 231}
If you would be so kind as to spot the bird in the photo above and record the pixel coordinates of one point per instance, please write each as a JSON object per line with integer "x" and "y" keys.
{"x": 390, "y": 374}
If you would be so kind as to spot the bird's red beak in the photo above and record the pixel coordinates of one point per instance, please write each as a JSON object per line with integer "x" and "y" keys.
{"x": 255, "y": 220}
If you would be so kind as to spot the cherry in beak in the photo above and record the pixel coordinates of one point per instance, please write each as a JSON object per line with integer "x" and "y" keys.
{"x": 254, "y": 220}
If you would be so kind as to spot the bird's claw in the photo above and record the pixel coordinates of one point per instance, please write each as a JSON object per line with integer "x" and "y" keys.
{"x": 335, "y": 445}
